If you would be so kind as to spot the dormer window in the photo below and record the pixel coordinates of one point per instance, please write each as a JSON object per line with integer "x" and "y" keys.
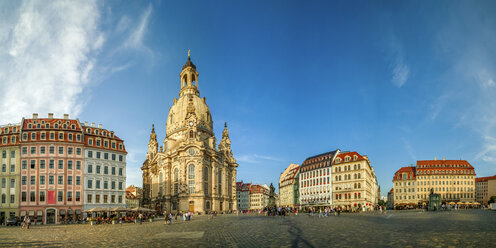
{"x": 29, "y": 125}
{"x": 47, "y": 125}
{"x": 355, "y": 158}
{"x": 73, "y": 126}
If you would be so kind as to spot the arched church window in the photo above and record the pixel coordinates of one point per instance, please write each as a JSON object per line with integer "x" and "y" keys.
{"x": 191, "y": 171}
{"x": 220, "y": 181}
{"x": 176, "y": 174}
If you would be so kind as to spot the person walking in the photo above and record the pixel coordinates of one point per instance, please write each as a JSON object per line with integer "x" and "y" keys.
{"x": 140, "y": 216}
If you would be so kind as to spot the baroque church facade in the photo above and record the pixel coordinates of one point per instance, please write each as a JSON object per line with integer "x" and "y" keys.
{"x": 190, "y": 172}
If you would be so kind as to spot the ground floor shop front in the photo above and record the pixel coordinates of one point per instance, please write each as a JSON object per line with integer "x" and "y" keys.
{"x": 52, "y": 214}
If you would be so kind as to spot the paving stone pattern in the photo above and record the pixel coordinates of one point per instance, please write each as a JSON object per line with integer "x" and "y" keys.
{"x": 464, "y": 228}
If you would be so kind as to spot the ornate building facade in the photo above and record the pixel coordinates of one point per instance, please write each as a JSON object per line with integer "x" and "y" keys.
{"x": 287, "y": 181}
{"x": 189, "y": 172}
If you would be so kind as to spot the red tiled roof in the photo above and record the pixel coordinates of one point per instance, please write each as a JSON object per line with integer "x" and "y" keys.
{"x": 351, "y": 154}
{"x": 485, "y": 179}
{"x": 444, "y": 167}
{"x": 411, "y": 171}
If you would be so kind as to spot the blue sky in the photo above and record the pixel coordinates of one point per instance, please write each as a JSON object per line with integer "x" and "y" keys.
{"x": 398, "y": 81}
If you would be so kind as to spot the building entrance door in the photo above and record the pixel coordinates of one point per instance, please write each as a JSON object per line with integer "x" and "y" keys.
{"x": 50, "y": 216}
{"x": 192, "y": 208}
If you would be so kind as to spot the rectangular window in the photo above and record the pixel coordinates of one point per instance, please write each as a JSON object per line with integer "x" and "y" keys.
{"x": 90, "y": 154}
{"x": 61, "y": 164}
{"x": 113, "y": 185}
{"x": 24, "y": 150}
{"x": 113, "y": 170}
{"x": 98, "y": 169}
{"x": 70, "y": 136}
{"x": 12, "y": 183}
{"x": 12, "y": 153}
{"x": 90, "y": 198}
{"x": 32, "y": 196}
{"x": 42, "y": 164}
{"x": 61, "y": 150}
{"x": 112, "y": 199}
{"x": 105, "y": 198}
{"x": 52, "y": 135}
{"x": 120, "y": 199}
{"x": 69, "y": 180}
{"x": 78, "y": 151}
{"x": 78, "y": 180}
{"x": 51, "y": 164}
{"x": 69, "y": 196}
{"x": 33, "y": 164}
{"x": 105, "y": 143}
{"x": 42, "y": 196}
{"x": 78, "y": 196}
{"x": 69, "y": 165}
{"x": 23, "y": 196}
{"x": 51, "y": 150}
{"x": 50, "y": 179}
{"x": 61, "y": 180}
{"x": 33, "y": 180}
{"x": 24, "y": 180}
{"x": 12, "y": 199}
{"x": 4, "y": 168}
{"x": 97, "y": 184}
{"x": 42, "y": 180}
{"x": 113, "y": 145}
{"x": 78, "y": 165}
{"x": 33, "y": 150}
{"x": 105, "y": 156}
{"x": 97, "y": 142}
{"x": 12, "y": 168}
{"x": 70, "y": 150}
{"x": 105, "y": 184}
{"x": 60, "y": 196}
{"x": 78, "y": 137}
{"x": 43, "y": 135}
{"x": 120, "y": 185}
{"x": 120, "y": 171}
{"x": 98, "y": 154}
{"x": 90, "y": 184}
{"x": 90, "y": 142}
{"x": 24, "y": 164}
{"x": 105, "y": 170}
{"x": 113, "y": 157}
{"x": 90, "y": 168}
{"x": 120, "y": 158}
{"x": 4, "y": 183}
{"x": 97, "y": 198}
{"x": 61, "y": 136}
{"x": 33, "y": 136}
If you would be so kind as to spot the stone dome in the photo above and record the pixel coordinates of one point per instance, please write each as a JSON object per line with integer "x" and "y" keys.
{"x": 179, "y": 111}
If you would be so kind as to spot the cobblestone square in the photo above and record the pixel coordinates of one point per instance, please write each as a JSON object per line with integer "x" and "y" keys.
{"x": 470, "y": 228}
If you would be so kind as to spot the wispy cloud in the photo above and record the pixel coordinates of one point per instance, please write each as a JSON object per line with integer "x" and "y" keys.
{"x": 409, "y": 149}
{"x": 257, "y": 159}
{"x": 50, "y": 50}
{"x": 400, "y": 70}
{"x": 135, "y": 39}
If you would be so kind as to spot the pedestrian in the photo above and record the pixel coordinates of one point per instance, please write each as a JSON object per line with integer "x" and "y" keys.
{"x": 140, "y": 216}
{"x": 28, "y": 222}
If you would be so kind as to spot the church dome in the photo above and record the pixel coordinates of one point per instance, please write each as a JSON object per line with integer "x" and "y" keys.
{"x": 179, "y": 111}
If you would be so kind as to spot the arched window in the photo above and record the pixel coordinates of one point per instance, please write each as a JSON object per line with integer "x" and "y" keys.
{"x": 191, "y": 134}
{"x": 358, "y": 175}
{"x": 355, "y": 176}
{"x": 220, "y": 181}
{"x": 176, "y": 181}
{"x": 355, "y": 185}
{"x": 359, "y": 186}
{"x": 191, "y": 171}
{"x": 339, "y": 177}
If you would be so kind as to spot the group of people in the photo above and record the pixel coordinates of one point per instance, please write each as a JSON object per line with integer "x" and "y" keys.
{"x": 26, "y": 222}
{"x": 183, "y": 216}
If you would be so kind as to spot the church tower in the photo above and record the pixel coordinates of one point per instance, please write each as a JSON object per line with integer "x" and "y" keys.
{"x": 191, "y": 172}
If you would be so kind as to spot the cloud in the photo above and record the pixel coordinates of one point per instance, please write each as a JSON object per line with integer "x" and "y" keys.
{"x": 257, "y": 159}
{"x": 49, "y": 54}
{"x": 400, "y": 70}
{"x": 409, "y": 149}
{"x": 135, "y": 39}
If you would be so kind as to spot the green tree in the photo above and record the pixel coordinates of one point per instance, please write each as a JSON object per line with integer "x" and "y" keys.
{"x": 492, "y": 199}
